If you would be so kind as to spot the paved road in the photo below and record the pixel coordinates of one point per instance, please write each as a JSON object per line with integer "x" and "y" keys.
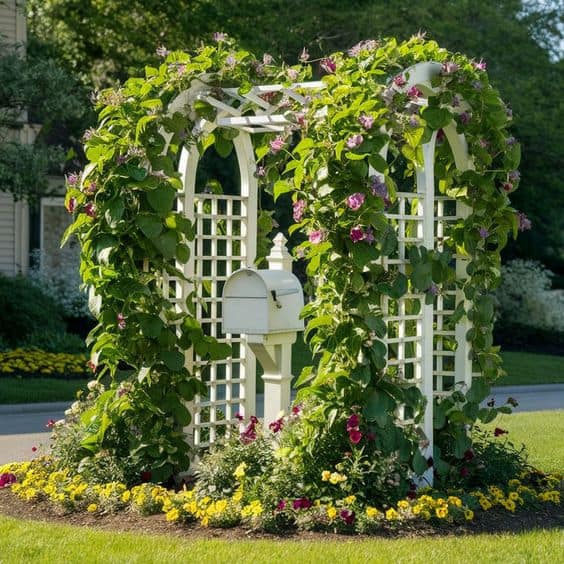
{"x": 23, "y": 427}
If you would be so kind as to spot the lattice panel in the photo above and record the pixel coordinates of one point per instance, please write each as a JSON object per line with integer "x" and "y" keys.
{"x": 404, "y": 317}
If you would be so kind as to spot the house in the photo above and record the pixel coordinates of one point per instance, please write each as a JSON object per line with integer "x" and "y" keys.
{"x": 22, "y": 229}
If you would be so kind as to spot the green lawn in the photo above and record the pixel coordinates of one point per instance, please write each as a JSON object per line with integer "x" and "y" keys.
{"x": 20, "y": 543}
{"x": 531, "y": 368}
{"x": 34, "y": 390}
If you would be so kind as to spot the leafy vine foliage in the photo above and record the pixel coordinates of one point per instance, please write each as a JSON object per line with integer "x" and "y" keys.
{"x": 331, "y": 160}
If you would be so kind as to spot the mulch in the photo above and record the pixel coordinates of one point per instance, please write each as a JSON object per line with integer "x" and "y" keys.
{"x": 546, "y": 517}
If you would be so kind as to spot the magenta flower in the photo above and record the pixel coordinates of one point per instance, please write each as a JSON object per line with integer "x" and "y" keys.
{"x": 414, "y": 92}
{"x": 71, "y": 205}
{"x": 355, "y": 435}
{"x": 484, "y": 233}
{"x": 277, "y": 144}
{"x": 354, "y": 141}
{"x": 357, "y": 234}
{"x": 367, "y": 121}
{"x": 219, "y": 36}
{"x": 121, "y": 321}
{"x": 480, "y": 65}
{"x": 90, "y": 209}
{"x": 281, "y": 505}
{"x": 464, "y": 472}
{"x": 304, "y": 56}
{"x": 90, "y": 188}
{"x": 302, "y": 503}
{"x": 239, "y": 416}
{"x": 277, "y": 425}
{"x": 296, "y": 410}
{"x": 50, "y": 424}
{"x": 316, "y": 236}
{"x": 33, "y": 449}
{"x": 7, "y": 479}
{"x": 355, "y": 201}
{"x": 353, "y": 422}
{"x": 347, "y": 516}
{"x": 399, "y": 80}
{"x": 449, "y": 67}
{"x": 524, "y": 223}
{"x": 328, "y": 65}
{"x": 298, "y": 209}
{"x": 72, "y": 179}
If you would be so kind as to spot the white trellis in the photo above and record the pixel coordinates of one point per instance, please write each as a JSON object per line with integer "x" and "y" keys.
{"x": 424, "y": 347}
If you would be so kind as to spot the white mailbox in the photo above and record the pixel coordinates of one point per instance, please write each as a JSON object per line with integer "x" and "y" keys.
{"x": 262, "y": 302}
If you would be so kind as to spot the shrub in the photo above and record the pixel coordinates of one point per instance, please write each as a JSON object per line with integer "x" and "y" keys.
{"x": 55, "y": 342}
{"x": 23, "y": 308}
{"x": 61, "y": 282}
{"x": 525, "y": 297}
{"x": 35, "y": 362}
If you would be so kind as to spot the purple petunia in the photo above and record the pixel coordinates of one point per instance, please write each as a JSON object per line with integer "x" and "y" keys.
{"x": 484, "y": 233}
{"x": 354, "y": 141}
{"x": 366, "y": 121}
{"x": 524, "y": 223}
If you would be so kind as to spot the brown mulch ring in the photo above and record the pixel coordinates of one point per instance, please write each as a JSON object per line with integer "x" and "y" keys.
{"x": 548, "y": 516}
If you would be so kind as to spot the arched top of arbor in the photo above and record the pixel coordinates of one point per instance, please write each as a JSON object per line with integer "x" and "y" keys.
{"x": 355, "y": 151}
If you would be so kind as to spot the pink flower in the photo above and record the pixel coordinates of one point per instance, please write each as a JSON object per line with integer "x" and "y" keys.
{"x": 480, "y": 65}
{"x": 399, "y": 80}
{"x": 300, "y": 119}
{"x": 367, "y": 121}
{"x": 304, "y": 56}
{"x": 449, "y": 67}
{"x": 353, "y": 422}
{"x": 355, "y": 435}
{"x": 267, "y": 59}
{"x": 230, "y": 61}
{"x": 357, "y": 234}
{"x": 90, "y": 209}
{"x": 72, "y": 179}
{"x": 355, "y": 201}
{"x": 71, "y": 205}
{"x": 50, "y": 424}
{"x": 277, "y": 144}
{"x": 292, "y": 74}
{"x": 354, "y": 141}
{"x": 121, "y": 323}
{"x": 316, "y": 236}
{"x": 90, "y": 188}
{"x": 414, "y": 92}
{"x": 524, "y": 222}
{"x": 298, "y": 209}
{"x": 328, "y": 65}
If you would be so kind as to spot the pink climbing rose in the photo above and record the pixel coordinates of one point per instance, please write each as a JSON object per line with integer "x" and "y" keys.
{"x": 357, "y": 234}
{"x": 277, "y": 144}
{"x": 298, "y": 209}
{"x": 367, "y": 121}
{"x": 354, "y": 141}
{"x": 316, "y": 236}
{"x": 355, "y": 201}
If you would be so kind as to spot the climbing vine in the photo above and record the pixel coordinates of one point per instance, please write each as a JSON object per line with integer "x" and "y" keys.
{"x": 330, "y": 159}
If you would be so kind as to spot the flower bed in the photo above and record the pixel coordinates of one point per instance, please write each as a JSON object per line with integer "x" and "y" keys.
{"x": 33, "y": 363}
{"x": 38, "y": 481}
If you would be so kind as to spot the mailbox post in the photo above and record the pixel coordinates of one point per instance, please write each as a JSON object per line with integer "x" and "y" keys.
{"x": 265, "y": 305}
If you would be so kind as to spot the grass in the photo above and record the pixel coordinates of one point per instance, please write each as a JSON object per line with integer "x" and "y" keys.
{"x": 541, "y": 432}
{"x": 531, "y": 368}
{"x": 46, "y": 543}
{"x": 522, "y": 368}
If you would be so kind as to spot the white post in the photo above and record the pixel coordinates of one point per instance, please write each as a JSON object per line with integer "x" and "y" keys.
{"x": 278, "y": 382}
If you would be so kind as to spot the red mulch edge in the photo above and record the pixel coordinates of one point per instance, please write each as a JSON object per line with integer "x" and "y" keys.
{"x": 548, "y": 516}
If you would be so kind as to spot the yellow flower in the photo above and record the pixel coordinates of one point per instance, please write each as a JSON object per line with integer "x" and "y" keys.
{"x": 371, "y": 512}
{"x": 513, "y": 496}
{"x": 509, "y": 505}
{"x": 173, "y": 514}
{"x": 514, "y": 483}
{"x": 392, "y": 514}
{"x": 441, "y": 512}
{"x": 468, "y": 514}
{"x": 325, "y": 475}
{"x": 91, "y": 508}
{"x": 403, "y": 504}
{"x": 126, "y": 496}
{"x": 349, "y": 500}
{"x": 455, "y": 501}
{"x": 336, "y": 478}
{"x": 240, "y": 471}
{"x": 331, "y": 512}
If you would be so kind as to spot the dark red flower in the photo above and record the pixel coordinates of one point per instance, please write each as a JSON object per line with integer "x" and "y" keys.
{"x": 355, "y": 436}
{"x": 33, "y": 449}
{"x": 302, "y": 503}
{"x": 277, "y": 425}
{"x": 7, "y": 479}
{"x": 281, "y": 505}
{"x": 464, "y": 471}
{"x": 353, "y": 421}
{"x": 469, "y": 454}
{"x": 239, "y": 416}
{"x": 50, "y": 424}
{"x": 498, "y": 432}
{"x": 146, "y": 476}
{"x": 296, "y": 410}
{"x": 347, "y": 516}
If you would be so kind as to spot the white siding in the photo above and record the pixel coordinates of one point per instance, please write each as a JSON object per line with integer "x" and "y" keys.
{"x": 7, "y": 234}
{"x": 8, "y": 25}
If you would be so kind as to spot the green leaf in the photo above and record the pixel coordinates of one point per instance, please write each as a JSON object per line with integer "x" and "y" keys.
{"x": 182, "y": 253}
{"x": 219, "y": 351}
{"x": 181, "y": 415}
{"x": 377, "y": 407}
{"x": 223, "y": 146}
{"x": 161, "y": 199}
{"x": 379, "y": 354}
{"x": 436, "y": 118}
{"x": 478, "y": 391}
{"x": 151, "y": 225}
{"x": 281, "y": 187}
{"x": 114, "y": 212}
{"x": 138, "y": 174}
{"x": 166, "y": 243}
{"x": 151, "y": 325}
{"x": 419, "y": 463}
{"x": 173, "y": 360}
{"x": 307, "y": 374}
